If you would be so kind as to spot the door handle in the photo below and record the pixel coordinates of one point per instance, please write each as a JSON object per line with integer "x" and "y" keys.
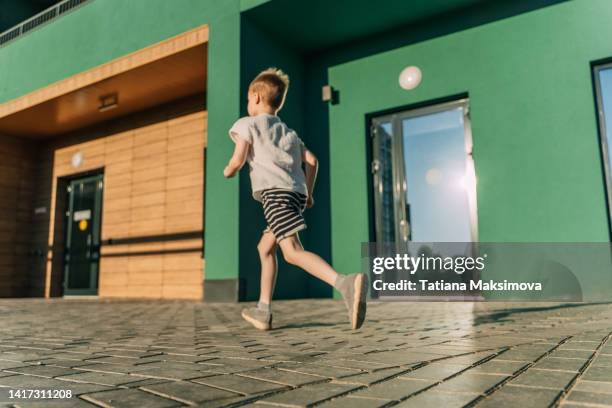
{"x": 375, "y": 166}
{"x": 88, "y": 255}
{"x": 96, "y": 251}
{"x": 405, "y": 224}
{"x": 404, "y": 230}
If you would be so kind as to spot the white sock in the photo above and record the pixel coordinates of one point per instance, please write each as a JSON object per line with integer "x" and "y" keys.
{"x": 264, "y": 307}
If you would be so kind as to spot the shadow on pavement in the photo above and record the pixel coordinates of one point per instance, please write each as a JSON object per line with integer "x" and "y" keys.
{"x": 502, "y": 315}
{"x": 304, "y": 325}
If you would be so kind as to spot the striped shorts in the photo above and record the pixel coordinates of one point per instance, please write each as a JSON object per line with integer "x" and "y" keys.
{"x": 283, "y": 212}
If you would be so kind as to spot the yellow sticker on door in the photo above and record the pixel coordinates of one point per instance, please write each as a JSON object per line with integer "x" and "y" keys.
{"x": 83, "y": 225}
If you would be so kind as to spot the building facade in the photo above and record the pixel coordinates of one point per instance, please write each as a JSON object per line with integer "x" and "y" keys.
{"x": 114, "y": 119}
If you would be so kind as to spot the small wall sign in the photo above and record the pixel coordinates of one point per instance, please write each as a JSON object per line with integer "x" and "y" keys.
{"x": 82, "y": 215}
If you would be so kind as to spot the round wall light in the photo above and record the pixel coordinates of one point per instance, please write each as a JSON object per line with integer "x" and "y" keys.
{"x": 77, "y": 160}
{"x": 410, "y": 77}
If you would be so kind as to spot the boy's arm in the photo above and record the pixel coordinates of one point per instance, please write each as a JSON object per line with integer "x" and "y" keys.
{"x": 238, "y": 159}
{"x": 312, "y": 165}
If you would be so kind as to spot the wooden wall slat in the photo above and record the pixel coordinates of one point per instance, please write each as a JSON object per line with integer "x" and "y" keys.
{"x": 18, "y": 161}
{"x": 153, "y": 187}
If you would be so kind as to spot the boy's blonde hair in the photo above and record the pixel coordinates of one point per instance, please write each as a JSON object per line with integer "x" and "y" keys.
{"x": 272, "y": 85}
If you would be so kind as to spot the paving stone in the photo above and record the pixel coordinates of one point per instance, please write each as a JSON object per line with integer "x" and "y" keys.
{"x": 438, "y": 399}
{"x": 31, "y": 382}
{"x": 582, "y": 354}
{"x": 74, "y": 402}
{"x": 169, "y": 373}
{"x": 514, "y": 396}
{"x": 238, "y": 384}
{"x": 282, "y": 377}
{"x": 595, "y": 373}
{"x": 111, "y": 368}
{"x": 12, "y": 364}
{"x": 42, "y": 371}
{"x": 371, "y": 378}
{"x": 67, "y": 356}
{"x": 230, "y": 366}
{"x": 130, "y": 398}
{"x": 434, "y": 371}
{"x": 55, "y": 362}
{"x": 593, "y": 386}
{"x": 603, "y": 361}
{"x": 19, "y": 381}
{"x": 171, "y": 365}
{"x": 394, "y": 389}
{"x": 589, "y": 397}
{"x": 580, "y": 345}
{"x": 396, "y": 358}
{"x": 145, "y": 381}
{"x": 31, "y": 357}
{"x": 189, "y": 392}
{"x": 310, "y": 395}
{"x": 320, "y": 370}
{"x": 182, "y": 358}
{"x": 496, "y": 366}
{"x": 127, "y": 353}
{"x": 352, "y": 402}
{"x": 523, "y": 355}
{"x": 467, "y": 359}
{"x": 564, "y": 364}
{"x": 94, "y": 377}
{"x": 358, "y": 365}
{"x": 471, "y": 382}
{"x": 120, "y": 360}
{"x": 544, "y": 378}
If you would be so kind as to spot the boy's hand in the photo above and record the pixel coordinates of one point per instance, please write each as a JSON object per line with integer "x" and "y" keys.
{"x": 309, "y": 202}
{"x": 228, "y": 172}
{"x": 238, "y": 158}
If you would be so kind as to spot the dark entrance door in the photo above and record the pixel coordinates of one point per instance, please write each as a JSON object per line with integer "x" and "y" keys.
{"x": 83, "y": 236}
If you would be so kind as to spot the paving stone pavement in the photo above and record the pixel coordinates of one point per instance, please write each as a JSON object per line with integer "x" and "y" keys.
{"x": 137, "y": 353}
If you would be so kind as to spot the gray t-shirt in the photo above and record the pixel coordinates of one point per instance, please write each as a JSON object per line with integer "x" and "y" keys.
{"x": 275, "y": 156}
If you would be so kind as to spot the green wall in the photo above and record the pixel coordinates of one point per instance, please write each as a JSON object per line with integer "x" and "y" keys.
{"x": 106, "y": 29}
{"x": 260, "y": 51}
{"x": 534, "y": 127}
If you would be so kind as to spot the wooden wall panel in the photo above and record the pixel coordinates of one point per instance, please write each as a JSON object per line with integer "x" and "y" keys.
{"x": 152, "y": 202}
{"x": 17, "y": 181}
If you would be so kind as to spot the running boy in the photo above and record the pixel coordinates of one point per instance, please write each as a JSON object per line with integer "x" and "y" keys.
{"x": 276, "y": 155}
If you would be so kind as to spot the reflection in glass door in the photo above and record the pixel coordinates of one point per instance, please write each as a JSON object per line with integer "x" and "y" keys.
{"x": 603, "y": 88}
{"x": 423, "y": 176}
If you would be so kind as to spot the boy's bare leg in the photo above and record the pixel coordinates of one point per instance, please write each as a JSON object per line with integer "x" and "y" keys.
{"x": 352, "y": 287}
{"x": 295, "y": 254}
{"x": 269, "y": 266}
{"x": 261, "y": 315}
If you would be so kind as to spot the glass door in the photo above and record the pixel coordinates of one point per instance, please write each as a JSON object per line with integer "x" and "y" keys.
{"x": 423, "y": 176}
{"x": 425, "y": 189}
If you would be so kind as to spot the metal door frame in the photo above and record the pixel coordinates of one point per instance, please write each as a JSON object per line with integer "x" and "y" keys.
{"x": 96, "y": 229}
{"x": 400, "y": 187}
{"x": 603, "y": 142}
